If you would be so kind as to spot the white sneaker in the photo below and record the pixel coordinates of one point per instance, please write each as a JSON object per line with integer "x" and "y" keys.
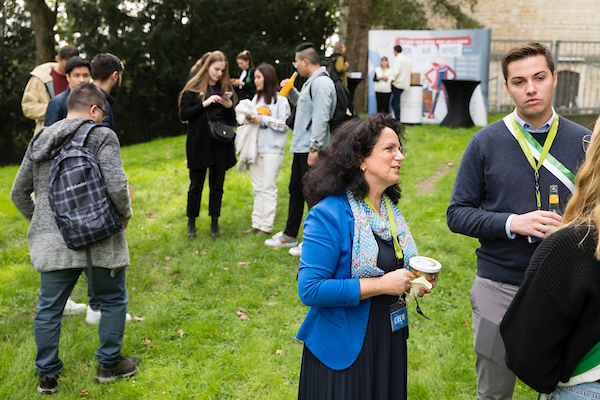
{"x": 296, "y": 251}
{"x": 72, "y": 308}
{"x": 280, "y": 239}
{"x": 93, "y": 317}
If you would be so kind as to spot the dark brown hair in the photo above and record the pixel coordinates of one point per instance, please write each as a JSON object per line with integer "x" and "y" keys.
{"x": 270, "y": 84}
{"x": 526, "y": 50}
{"x": 84, "y": 96}
{"x": 104, "y": 64}
{"x": 67, "y": 52}
{"x": 338, "y": 166}
{"x": 246, "y": 56}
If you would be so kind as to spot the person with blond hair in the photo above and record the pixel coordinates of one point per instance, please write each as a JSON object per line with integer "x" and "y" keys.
{"x": 551, "y": 330}
{"x": 201, "y": 101}
{"x": 338, "y": 65}
{"x": 383, "y": 86}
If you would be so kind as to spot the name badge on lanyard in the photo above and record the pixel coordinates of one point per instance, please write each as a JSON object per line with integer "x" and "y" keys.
{"x": 398, "y": 315}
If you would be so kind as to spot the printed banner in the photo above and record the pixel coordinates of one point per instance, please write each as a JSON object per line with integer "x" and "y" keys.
{"x": 435, "y": 55}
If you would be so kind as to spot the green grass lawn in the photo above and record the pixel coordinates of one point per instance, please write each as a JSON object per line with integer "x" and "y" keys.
{"x": 188, "y": 294}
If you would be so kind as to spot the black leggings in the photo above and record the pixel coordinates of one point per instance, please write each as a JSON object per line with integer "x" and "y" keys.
{"x": 383, "y": 102}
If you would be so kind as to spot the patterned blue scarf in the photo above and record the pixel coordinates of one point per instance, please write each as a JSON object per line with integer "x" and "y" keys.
{"x": 367, "y": 224}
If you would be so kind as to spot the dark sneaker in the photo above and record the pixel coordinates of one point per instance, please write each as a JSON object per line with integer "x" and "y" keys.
{"x": 123, "y": 368}
{"x": 46, "y": 385}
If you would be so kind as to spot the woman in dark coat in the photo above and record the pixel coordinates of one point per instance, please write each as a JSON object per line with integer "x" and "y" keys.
{"x": 208, "y": 92}
{"x": 244, "y": 85}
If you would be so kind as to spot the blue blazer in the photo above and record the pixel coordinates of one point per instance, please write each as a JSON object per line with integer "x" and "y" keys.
{"x": 336, "y": 323}
{"x": 57, "y": 108}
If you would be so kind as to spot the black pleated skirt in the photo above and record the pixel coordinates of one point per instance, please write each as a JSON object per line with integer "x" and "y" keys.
{"x": 379, "y": 372}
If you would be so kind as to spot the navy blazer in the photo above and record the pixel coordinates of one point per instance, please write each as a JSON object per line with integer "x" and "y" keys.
{"x": 336, "y": 323}
{"x": 57, "y": 108}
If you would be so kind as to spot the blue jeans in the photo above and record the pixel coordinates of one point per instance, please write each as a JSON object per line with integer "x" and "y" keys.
{"x": 583, "y": 391}
{"x": 55, "y": 287}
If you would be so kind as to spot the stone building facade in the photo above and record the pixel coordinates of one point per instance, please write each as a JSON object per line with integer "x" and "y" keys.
{"x": 570, "y": 28}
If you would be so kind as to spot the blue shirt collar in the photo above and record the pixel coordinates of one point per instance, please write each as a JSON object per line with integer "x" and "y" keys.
{"x": 542, "y": 129}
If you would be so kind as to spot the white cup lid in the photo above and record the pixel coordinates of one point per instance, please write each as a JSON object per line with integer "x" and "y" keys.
{"x": 425, "y": 264}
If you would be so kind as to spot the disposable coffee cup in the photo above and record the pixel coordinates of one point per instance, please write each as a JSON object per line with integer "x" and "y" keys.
{"x": 425, "y": 267}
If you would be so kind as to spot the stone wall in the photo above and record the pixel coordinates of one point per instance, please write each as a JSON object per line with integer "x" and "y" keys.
{"x": 539, "y": 19}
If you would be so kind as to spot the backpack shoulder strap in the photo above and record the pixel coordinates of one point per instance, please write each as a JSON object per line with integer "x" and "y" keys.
{"x": 318, "y": 76}
{"x": 83, "y": 132}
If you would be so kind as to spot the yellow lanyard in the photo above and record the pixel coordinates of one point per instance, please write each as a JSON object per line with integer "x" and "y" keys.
{"x": 521, "y": 133}
{"x": 399, "y": 253}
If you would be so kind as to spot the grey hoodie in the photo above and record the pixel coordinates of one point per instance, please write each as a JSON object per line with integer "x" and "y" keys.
{"x": 47, "y": 248}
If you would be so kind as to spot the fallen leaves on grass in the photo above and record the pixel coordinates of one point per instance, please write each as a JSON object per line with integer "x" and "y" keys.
{"x": 139, "y": 318}
{"x": 147, "y": 342}
{"x": 150, "y": 214}
{"x": 180, "y": 332}
{"x": 279, "y": 352}
{"x": 242, "y": 286}
{"x": 167, "y": 258}
{"x": 241, "y": 315}
{"x": 273, "y": 303}
{"x": 465, "y": 322}
{"x": 83, "y": 392}
{"x": 243, "y": 264}
{"x": 225, "y": 269}
{"x": 191, "y": 283}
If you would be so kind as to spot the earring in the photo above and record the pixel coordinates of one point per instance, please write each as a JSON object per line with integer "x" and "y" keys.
{"x": 363, "y": 168}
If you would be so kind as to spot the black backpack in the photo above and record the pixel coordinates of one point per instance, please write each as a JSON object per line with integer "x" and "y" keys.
{"x": 344, "y": 107}
{"x": 329, "y": 64}
{"x": 78, "y": 197}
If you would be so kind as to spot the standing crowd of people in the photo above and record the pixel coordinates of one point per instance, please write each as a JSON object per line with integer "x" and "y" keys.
{"x": 538, "y": 273}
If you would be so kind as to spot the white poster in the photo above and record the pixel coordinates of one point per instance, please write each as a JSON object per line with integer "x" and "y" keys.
{"x": 435, "y": 56}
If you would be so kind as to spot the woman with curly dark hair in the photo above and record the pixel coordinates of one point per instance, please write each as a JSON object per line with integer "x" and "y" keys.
{"x": 354, "y": 267}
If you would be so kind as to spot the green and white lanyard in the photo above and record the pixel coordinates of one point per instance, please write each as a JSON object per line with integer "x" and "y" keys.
{"x": 525, "y": 139}
{"x": 397, "y": 248}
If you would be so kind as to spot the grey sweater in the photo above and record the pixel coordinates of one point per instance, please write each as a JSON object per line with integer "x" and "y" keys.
{"x": 47, "y": 248}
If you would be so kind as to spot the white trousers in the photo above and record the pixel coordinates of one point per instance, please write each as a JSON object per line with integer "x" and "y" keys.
{"x": 263, "y": 176}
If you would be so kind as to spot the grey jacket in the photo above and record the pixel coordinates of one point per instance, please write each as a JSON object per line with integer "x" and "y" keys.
{"x": 47, "y": 248}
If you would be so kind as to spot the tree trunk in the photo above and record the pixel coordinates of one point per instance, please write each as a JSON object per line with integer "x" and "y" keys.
{"x": 360, "y": 15}
{"x": 43, "y": 19}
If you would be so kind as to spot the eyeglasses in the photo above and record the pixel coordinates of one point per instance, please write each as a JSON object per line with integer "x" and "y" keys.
{"x": 585, "y": 141}
{"x": 295, "y": 64}
{"x": 395, "y": 150}
{"x": 104, "y": 113}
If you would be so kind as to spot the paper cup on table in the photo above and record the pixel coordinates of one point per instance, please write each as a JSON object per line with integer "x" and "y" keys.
{"x": 425, "y": 267}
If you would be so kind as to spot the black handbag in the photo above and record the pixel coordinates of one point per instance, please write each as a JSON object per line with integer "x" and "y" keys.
{"x": 221, "y": 133}
{"x": 218, "y": 132}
